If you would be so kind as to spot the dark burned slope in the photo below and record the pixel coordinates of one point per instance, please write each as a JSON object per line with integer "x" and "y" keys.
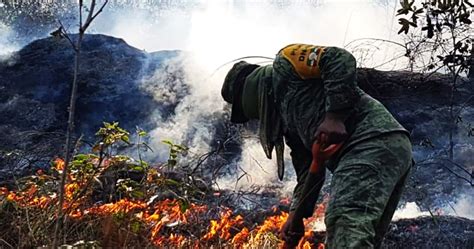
{"x": 439, "y": 232}
{"x": 35, "y": 85}
{"x": 430, "y": 233}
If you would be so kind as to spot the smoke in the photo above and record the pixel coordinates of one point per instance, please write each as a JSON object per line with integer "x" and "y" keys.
{"x": 222, "y": 31}
{"x": 463, "y": 206}
{"x": 409, "y": 211}
{"x": 144, "y": 29}
{"x": 193, "y": 121}
{"x": 219, "y": 31}
{"x": 253, "y": 168}
{"x": 7, "y": 46}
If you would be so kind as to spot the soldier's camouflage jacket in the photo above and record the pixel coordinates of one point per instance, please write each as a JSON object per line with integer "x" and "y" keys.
{"x": 306, "y": 82}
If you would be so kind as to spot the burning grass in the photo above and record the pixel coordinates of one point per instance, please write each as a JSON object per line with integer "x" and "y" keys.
{"x": 116, "y": 201}
{"x": 28, "y": 215}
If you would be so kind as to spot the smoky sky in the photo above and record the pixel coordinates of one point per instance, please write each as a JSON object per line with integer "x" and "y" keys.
{"x": 217, "y": 31}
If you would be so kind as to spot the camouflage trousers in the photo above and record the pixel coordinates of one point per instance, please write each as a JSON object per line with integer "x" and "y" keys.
{"x": 365, "y": 189}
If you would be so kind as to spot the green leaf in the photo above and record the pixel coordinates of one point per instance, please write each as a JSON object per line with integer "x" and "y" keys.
{"x": 143, "y": 164}
{"x": 406, "y": 7}
{"x": 171, "y": 182}
{"x": 82, "y": 157}
{"x": 135, "y": 226}
{"x": 108, "y": 125}
{"x": 126, "y": 139}
{"x": 181, "y": 147}
{"x": 138, "y": 168}
{"x": 405, "y": 25}
{"x": 142, "y": 133}
{"x": 184, "y": 205}
{"x": 168, "y": 142}
{"x": 137, "y": 194}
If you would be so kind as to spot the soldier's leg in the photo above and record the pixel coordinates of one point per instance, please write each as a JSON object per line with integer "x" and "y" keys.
{"x": 361, "y": 188}
{"x": 387, "y": 215}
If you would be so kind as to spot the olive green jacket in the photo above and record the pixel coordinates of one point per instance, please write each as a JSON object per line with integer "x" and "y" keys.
{"x": 306, "y": 82}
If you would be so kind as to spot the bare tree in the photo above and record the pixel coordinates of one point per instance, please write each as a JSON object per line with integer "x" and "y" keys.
{"x": 76, "y": 45}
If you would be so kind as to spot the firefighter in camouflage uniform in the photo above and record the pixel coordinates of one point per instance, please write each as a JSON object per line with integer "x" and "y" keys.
{"x": 310, "y": 95}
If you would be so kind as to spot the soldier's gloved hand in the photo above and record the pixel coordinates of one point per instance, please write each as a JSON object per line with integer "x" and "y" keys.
{"x": 292, "y": 231}
{"x": 332, "y": 130}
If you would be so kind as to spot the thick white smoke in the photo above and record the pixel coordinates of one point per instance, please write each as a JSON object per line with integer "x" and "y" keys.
{"x": 219, "y": 31}
{"x": 461, "y": 206}
{"x": 194, "y": 120}
{"x": 408, "y": 211}
{"x": 6, "y": 44}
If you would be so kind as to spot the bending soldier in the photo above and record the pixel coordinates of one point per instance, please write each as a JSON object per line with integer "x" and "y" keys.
{"x": 310, "y": 95}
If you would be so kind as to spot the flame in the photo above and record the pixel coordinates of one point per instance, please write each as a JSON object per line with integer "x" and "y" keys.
{"x": 70, "y": 189}
{"x": 222, "y": 227}
{"x": 229, "y": 228}
{"x": 59, "y": 164}
{"x": 26, "y": 198}
{"x": 41, "y": 202}
{"x": 165, "y": 220}
{"x": 271, "y": 224}
{"x": 241, "y": 237}
{"x": 122, "y": 206}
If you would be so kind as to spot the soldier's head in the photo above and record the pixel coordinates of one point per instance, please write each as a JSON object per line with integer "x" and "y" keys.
{"x": 232, "y": 89}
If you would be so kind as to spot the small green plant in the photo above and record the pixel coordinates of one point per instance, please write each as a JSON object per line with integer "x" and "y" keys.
{"x": 175, "y": 151}
{"x": 110, "y": 134}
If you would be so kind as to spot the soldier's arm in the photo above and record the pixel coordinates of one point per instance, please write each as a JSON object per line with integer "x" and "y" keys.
{"x": 338, "y": 73}
{"x": 335, "y": 66}
{"x": 301, "y": 159}
{"x": 305, "y": 201}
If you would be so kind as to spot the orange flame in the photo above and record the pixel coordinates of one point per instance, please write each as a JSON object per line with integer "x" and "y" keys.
{"x": 70, "y": 189}
{"x": 222, "y": 228}
{"x": 121, "y": 206}
{"x": 241, "y": 237}
{"x": 161, "y": 217}
{"x": 271, "y": 224}
{"x": 59, "y": 163}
